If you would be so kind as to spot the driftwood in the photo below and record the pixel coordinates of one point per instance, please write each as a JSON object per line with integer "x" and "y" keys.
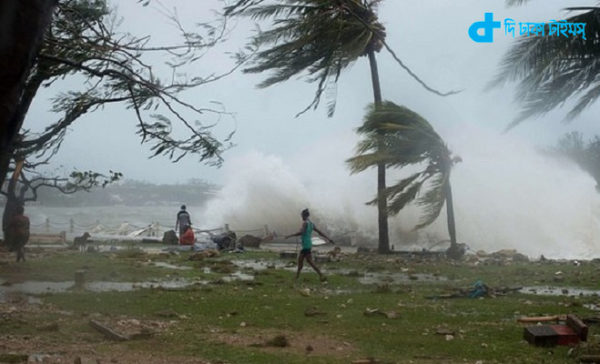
{"x": 108, "y": 332}
{"x": 589, "y": 359}
{"x": 541, "y": 318}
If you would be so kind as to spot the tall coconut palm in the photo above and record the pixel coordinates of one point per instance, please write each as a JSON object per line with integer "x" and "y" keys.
{"x": 319, "y": 38}
{"x": 551, "y": 69}
{"x": 398, "y": 137}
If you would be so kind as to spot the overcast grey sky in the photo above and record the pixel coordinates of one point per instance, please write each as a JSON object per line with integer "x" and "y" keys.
{"x": 430, "y": 36}
{"x": 507, "y": 195}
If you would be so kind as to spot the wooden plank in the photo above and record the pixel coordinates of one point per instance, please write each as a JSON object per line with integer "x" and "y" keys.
{"x": 108, "y": 332}
{"x": 578, "y": 326}
{"x": 538, "y": 319}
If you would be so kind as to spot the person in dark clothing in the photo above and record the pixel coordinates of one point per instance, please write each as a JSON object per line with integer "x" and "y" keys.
{"x": 183, "y": 221}
{"x": 17, "y": 232}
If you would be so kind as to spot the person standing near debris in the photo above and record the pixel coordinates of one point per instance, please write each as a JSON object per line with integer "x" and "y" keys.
{"x": 306, "y": 234}
{"x": 183, "y": 221}
{"x": 17, "y": 232}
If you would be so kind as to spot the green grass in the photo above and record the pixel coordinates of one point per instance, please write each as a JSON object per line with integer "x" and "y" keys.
{"x": 485, "y": 329}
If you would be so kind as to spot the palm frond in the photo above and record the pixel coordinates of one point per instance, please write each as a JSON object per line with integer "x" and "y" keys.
{"x": 549, "y": 70}
{"x": 315, "y": 39}
{"x": 516, "y": 2}
{"x": 399, "y": 137}
{"x": 365, "y": 161}
{"x": 400, "y": 200}
{"x": 401, "y": 186}
{"x": 433, "y": 200}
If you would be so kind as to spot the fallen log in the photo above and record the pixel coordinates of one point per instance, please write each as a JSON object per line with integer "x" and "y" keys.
{"x": 541, "y": 318}
{"x": 589, "y": 359}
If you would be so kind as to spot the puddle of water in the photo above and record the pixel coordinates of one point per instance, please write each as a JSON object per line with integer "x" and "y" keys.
{"x": 559, "y": 291}
{"x": 394, "y": 278}
{"x": 364, "y": 278}
{"x": 40, "y": 287}
{"x": 592, "y": 306}
{"x": 171, "y": 266}
{"x": 37, "y": 287}
{"x": 262, "y": 264}
{"x": 238, "y": 276}
{"x": 18, "y": 298}
{"x": 130, "y": 286}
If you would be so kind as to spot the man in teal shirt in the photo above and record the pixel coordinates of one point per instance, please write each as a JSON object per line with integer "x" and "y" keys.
{"x": 306, "y": 233}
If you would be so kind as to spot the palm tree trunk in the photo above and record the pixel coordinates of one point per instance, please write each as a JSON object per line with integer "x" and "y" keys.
{"x": 450, "y": 214}
{"x": 22, "y": 25}
{"x": 455, "y": 251}
{"x": 384, "y": 242}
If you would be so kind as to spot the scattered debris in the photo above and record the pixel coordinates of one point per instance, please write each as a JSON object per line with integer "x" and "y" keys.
{"x": 382, "y": 288}
{"x": 226, "y": 240}
{"x": 250, "y": 241}
{"x": 444, "y": 331}
{"x": 375, "y": 311}
{"x": 305, "y": 292}
{"x": 39, "y": 358}
{"x": 541, "y": 318}
{"x": 170, "y": 238}
{"x": 573, "y": 331}
{"x": 107, "y": 331}
{"x": 313, "y": 311}
{"x": 13, "y": 358}
{"x": 366, "y": 361}
{"x": 279, "y": 341}
{"x": 478, "y": 290}
{"x": 84, "y": 360}
{"x": 208, "y": 253}
{"x": 335, "y": 254}
{"x": 167, "y": 314}
{"x": 589, "y": 359}
{"x": 50, "y": 327}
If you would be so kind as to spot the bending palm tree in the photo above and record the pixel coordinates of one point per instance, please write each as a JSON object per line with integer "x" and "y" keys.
{"x": 398, "y": 137}
{"x": 551, "y": 69}
{"x": 320, "y": 38}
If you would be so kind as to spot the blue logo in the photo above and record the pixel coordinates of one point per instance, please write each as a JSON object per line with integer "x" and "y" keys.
{"x": 560, "y": 28}
{"x": 488, "y": 26}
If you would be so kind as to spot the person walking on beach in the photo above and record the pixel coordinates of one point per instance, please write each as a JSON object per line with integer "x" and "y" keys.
{"x": 183, "y": 221}
{"x": 306, "y": 234}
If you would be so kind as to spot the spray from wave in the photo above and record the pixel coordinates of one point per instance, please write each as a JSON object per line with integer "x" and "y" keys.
{"x": 507, "y": 196}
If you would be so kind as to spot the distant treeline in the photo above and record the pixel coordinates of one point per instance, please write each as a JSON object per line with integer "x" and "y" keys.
{"x": 585, "y": 153}
{"x": 132, "y": 193}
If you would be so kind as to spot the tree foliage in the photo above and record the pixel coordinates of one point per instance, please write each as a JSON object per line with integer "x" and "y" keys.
{"x": 83, "y": 42}
{"x": 585, "y": 153}
{"x": 407, "y": 139}
{"x": 31, "y": 181}
{"x": 316, "y": 39}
